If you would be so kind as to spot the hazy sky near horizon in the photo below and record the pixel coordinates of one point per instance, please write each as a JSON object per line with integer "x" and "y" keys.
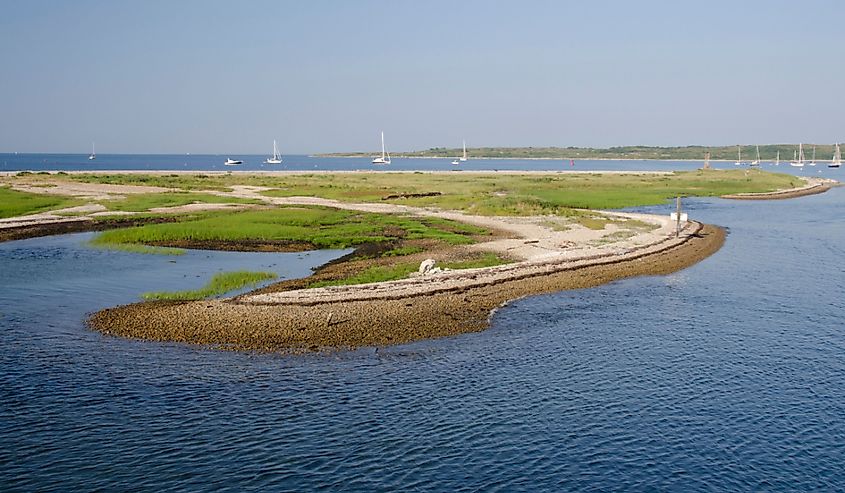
{"x": 228, "y": 77}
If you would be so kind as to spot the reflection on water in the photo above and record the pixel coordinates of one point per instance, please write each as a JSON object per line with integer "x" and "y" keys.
{"x": 727, "y": 376}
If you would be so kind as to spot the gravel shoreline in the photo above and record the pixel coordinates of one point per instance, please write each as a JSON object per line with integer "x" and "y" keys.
{"x": 814, "y": 186}
{"x": 337, "y": 323}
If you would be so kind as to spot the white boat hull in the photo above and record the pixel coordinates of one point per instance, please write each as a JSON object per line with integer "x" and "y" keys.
{"x": 273, "y": 161}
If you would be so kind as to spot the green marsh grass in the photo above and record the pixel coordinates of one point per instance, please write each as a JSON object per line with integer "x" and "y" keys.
{"x": 488, "y": 259}
{"x": 484, "y": 193}
{"x": 14, "y": 203}
{"x": 221, "y": 283}
{"x": 144, "y": 202}
{"x": 321, "y": 227}
{"x": 381, "y": 273}
{"x": 378, "y": 273}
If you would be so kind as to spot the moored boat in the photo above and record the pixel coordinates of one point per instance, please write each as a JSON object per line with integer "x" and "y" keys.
{"x": 837, "y": 157}
{"x": 276, "y": 158}
{"x": 385, "y": 156}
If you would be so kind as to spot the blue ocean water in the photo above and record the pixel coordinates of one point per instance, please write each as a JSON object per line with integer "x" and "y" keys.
{"x": 727, "y": 376}
{"x": 199, "y": 162}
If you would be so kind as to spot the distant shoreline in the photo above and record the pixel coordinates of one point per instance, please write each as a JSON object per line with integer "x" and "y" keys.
{"x": 488, "y": 158}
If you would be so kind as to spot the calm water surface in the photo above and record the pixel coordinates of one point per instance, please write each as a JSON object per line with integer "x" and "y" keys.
{"x": 728, "y": 376}
{"x": 207, "y": 162}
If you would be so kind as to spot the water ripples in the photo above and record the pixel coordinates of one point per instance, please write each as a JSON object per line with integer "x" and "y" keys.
{"x": 728, "y": 376}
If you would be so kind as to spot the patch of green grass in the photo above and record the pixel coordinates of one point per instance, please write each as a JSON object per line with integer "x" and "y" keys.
{"x": 221, "y": 283}
{"x": 319, "y": 226}
{"x": 184, "y": 181}
{"x": 373, "y": 274}
{"x": 381, "y": 273}
{"x": 488, "y": 259}
{"x": 143, "y": 202}
{"x": 14, "y": 203}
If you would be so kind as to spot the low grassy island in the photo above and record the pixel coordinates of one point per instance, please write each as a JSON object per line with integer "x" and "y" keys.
{"x": 433, "y": 253}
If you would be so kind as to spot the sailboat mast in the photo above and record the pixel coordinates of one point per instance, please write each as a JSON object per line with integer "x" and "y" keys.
{"x": 465, "y": 149}
{"x": 382, "y": 144}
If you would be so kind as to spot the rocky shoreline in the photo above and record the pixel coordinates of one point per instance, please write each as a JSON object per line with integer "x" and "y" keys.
{"x": 814, "y": 186}
{"x": 262, "y": 324}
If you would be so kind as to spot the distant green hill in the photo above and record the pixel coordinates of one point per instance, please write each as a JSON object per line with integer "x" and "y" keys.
{"x": 727, "y": 153}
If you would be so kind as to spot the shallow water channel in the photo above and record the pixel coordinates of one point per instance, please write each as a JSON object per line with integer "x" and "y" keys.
{"x": 727, "y": 376}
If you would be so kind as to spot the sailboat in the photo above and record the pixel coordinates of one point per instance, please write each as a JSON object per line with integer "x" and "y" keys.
{"x": 739, "y": 156}
{"x": 777, "y": 159}
{"x": 277, "y": 158}
{"x": 813, "y": 162}
{"x": 385, "y": 156}
{"x": 93, "y": 155}
{"x": 798, "y": 158}
{"x": 837, "y": 158}
{"x": 756, "y": 162}
{"x": 465, "y": 152}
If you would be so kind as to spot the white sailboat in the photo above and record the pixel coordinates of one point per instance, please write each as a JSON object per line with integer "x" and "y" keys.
{"x": 464, "y": 158}
{"x": 93, "y": 155}
{"x": 813, "y": 161}
{"x": 232, "y": 162}
{"x": 385, "y": 156}
{"x": 738, "y": 156}
{"x": 277, "y": 158}
{"x": 798, "y": 157}
{"x": 837, "y": 158}
{"x": 777, "y": 159}
{"x": 756, "y": 162}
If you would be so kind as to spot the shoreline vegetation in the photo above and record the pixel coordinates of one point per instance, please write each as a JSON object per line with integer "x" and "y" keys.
{"x": 237, "y": 324}
{"x": 494, "y": 237}
{"x": 768, "y": 152}
{"x": 221, "y": 283}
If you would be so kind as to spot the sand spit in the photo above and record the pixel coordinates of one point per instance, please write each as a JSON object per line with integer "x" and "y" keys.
{"x": 813, "y": 186}
{"x": 429, "y": 308}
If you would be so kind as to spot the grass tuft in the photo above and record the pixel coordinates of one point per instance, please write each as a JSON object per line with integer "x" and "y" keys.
{"x": 221, "y": 283}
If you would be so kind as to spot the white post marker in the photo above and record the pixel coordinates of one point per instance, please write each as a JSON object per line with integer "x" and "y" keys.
{"x": 678, "y": 217}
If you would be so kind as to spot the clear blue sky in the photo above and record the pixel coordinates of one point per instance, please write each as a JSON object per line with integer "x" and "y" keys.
{"x": 228, "y": 77}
